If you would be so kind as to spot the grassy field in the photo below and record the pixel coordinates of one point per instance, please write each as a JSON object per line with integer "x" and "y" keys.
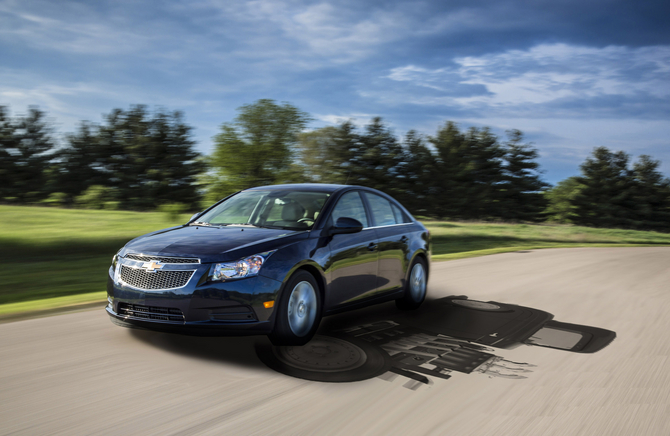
{"x": 63, "y": 255}
{"x": 49, "y": 252}
{"x": 453, "y": 240}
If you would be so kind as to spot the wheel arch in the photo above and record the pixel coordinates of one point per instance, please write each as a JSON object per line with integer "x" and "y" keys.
{"x": 318, "y": 276}
{"x": 422, "y": 254}
{"x": 315, "y": 271}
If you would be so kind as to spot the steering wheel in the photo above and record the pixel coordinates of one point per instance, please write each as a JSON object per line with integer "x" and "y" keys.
{"x": 302, "y": 220}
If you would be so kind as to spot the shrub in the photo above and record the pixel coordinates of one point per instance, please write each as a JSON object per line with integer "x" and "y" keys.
{"x": 95, "y": 197}
{"x": 173, "y": 210}
{"x": 56, "y": 199}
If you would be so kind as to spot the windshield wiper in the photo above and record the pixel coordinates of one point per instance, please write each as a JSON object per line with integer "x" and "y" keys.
{"x": 200, "y": 223}
{"x": 231, "y": 224}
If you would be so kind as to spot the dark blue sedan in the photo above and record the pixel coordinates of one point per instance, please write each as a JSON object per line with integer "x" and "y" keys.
{"x": 272, "y": 260}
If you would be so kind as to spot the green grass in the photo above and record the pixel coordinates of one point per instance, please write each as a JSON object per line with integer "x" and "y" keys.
{"x": 63, "y": 254}
{"x": 49, "y": 253}
{"x": 51, "y": 303}
{"x": 453, "y": 240}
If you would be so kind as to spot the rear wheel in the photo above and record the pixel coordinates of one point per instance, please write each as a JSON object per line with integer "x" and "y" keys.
{"x": 415, "y": 288}
{"x": 299, "y": 311}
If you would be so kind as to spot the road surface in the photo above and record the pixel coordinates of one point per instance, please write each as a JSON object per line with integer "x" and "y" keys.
{"x": 77, "y": 373}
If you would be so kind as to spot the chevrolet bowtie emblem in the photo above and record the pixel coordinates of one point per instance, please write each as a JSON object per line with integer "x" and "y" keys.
{"x": 152, "y": 266}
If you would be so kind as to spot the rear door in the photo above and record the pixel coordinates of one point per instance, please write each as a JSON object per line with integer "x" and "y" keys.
{"x": 392, "y": 229}
{"x": 353, "y": 263}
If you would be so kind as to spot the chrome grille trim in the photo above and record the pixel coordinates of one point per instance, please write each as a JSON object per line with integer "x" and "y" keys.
{"x": 167, "y": 314}
{"x": 162, "y": 259}
{"x": 140, "y": 278}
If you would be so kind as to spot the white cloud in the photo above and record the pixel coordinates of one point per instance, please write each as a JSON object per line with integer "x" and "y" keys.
{"x": 310, "y": 34}
{"x": 333, "y": 32}
{"x": 545, "y": 74}
{"x": 71, "y": 28}
{"x": 550, "y": 72}
{"x": 69, "y": 102}
{"x": 358, "y": 119}
{"x": 422, "y": 76}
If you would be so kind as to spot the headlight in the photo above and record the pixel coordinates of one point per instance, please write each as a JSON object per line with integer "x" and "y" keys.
{"x": 247, "y": 267}
{"x": 116, "y": 265}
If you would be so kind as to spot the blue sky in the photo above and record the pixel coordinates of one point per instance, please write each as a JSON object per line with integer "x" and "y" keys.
{"x": 572, "y": 75}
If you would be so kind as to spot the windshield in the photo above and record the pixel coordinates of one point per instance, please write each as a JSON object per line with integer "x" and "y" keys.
{"x": 295, "y": 210}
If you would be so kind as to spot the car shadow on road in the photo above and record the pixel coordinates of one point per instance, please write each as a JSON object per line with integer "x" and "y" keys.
{"x": 239, "y": 351}
{"x": 445, "y": 336}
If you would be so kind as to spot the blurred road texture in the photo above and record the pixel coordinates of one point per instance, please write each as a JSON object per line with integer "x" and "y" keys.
{"x": 79, "y": 374}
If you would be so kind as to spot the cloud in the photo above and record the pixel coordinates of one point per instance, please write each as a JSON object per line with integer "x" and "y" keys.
{"x": 358, "y": 119}
{"x": 310, "y": 35}
{"x": 550, "y": 80}
{"x": 70, "y": 27}
{"x": 415, "y": 63}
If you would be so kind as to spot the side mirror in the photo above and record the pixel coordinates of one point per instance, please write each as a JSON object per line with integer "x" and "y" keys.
{"x": 346, "y": 225}
{"x": 195, "y": 215}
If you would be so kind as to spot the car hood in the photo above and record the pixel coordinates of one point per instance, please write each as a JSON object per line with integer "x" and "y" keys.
{"x": 211, "y": 244}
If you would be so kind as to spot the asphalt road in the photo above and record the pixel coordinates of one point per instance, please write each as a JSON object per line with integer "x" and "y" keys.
{"x": 77, "y": 373}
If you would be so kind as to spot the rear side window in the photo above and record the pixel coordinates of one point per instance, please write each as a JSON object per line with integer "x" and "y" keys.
{"x": 382, "y": 213}
{"x": 350, "y": 205}
{"x": 400, "y": 216}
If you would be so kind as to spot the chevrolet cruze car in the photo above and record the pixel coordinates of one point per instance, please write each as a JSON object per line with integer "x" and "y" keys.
{"x": 272, "y": 260}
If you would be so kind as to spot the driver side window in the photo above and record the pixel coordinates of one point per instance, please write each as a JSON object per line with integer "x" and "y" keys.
{"x": 350, "y": 205}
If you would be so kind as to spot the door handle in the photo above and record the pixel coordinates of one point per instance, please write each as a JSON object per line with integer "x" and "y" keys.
{"x": 404, "y": 239}
{"x": 372, "y": 246}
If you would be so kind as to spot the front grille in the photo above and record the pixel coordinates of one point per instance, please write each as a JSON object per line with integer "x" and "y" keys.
{"x": 143, "y": 258}
{"x": 168, "y": 314}
{"x": 142, "y": 279}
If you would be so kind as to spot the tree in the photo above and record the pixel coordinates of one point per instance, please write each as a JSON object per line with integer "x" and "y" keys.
{"x": 607, "y": 198}
{"x": 418, "y": 175}
{"x": 81, "y": 164}
{"x": 145, "y": 160}
{"x": 25, "y": 146}
{"x": 256, "y": 149}
{"x": 651, "y": 196}
{"x": 324, "y": 153}
{"x": 471, "y": 172}
{"x": 7, "y": 159}
{"x": 560, "y": 200}
{"x": 454, "y": 186}
{"x": 521, "y": 190}
{"x": 485, "y": 171}
{"x": 374, "y": 157}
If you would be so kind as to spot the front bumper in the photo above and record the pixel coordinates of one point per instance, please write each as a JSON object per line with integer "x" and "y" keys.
{"x": 199, "y": 308}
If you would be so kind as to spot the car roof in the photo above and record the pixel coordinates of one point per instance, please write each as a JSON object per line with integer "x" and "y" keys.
{"x": 316, "y": 187}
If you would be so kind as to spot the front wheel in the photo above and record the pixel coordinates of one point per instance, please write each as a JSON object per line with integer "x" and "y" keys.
{"x": 415, "y": 288}
{"x": 299, "y": 311}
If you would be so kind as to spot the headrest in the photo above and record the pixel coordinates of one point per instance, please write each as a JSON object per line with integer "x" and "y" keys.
{"x": 292, "y": 212}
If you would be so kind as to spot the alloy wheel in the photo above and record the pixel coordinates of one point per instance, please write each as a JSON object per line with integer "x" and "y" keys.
{"x": 302, "y": 306}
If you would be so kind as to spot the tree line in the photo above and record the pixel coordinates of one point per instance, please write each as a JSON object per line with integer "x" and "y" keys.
{"x": 133, "y": 160}
{"x": 613, "y": 193}
{"x": 140, "y": 160}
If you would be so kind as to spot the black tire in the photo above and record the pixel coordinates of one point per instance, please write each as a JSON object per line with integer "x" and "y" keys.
{"x": 298, "y": 314}
{"x": 415, "y": 287}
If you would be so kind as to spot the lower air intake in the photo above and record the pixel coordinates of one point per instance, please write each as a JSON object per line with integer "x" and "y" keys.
{"x": 167, "y": 314}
